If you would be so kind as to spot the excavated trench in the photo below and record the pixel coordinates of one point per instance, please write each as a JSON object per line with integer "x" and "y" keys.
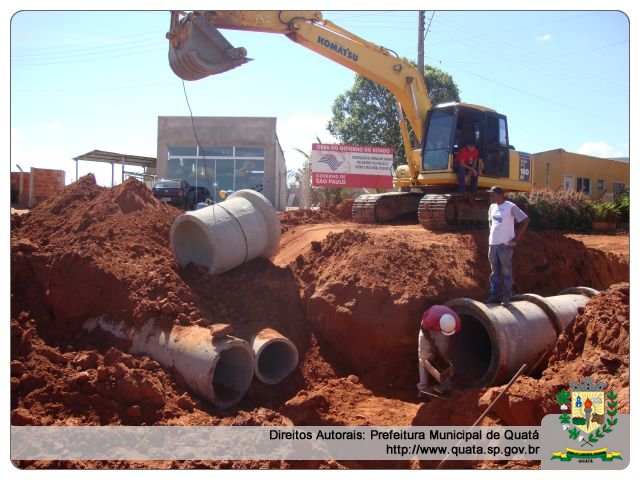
{"x": 349, "y": 299}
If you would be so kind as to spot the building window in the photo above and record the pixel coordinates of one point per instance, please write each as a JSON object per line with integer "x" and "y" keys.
{"x": 601, "y": 185}
{"x": 182, "y": 151}
{"x": 218, "y": 168}
{"x": 584, "y": 185}
{"x": 568, "y": 182}
{"x": 618, "y": 188}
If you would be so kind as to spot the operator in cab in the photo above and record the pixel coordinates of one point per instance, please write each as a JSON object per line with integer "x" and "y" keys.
{"x": 466, "y": 162}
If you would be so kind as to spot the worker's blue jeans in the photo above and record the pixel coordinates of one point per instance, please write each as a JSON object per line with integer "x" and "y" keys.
{"x": 501, "y": 273}
{"x": 462, "y": 172}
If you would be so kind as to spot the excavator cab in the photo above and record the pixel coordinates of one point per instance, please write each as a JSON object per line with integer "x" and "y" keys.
{"x": 197, "y": 49}
{"x": 451, "y": 127}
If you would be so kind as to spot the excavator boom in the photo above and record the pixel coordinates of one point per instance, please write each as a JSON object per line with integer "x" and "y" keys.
{"x": 197, "y": 49}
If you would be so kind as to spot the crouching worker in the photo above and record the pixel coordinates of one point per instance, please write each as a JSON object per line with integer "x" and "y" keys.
{"x": 438, "y": 324}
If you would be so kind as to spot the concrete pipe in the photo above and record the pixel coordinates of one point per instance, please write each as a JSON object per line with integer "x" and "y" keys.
{"x": 226, "y": 235}
{"x": 275, "y": 356}
{"x": 496, "y": 340}
{"x": 218, "y": 369}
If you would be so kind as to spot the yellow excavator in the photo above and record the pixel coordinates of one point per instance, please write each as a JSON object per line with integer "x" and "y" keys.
{"x": 427, "y": 184}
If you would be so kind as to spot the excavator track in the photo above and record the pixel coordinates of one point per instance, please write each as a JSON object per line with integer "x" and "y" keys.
{"x": 453, "y": 211}
{"x": 436, "y": 211}
{"x": 363, "y": 209}
{"x": 383, "y": 207}
{"x": 431, "y": 211}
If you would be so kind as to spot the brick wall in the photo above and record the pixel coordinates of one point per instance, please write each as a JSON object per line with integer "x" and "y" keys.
{"x": 23, "y": 197}
{"x": 43, "y": 184}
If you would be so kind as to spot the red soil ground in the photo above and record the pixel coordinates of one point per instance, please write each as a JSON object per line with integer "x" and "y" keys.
{"x": 349, "y": 296}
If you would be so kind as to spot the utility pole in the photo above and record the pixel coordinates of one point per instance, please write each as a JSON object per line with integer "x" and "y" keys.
{"x": 421, "y": 41}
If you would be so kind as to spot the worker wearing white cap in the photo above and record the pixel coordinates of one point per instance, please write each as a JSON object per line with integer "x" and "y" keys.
{"x": 438, "y": 324}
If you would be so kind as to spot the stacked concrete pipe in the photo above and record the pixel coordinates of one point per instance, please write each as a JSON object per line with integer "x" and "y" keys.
{"x": 496, "y": 340}
{"x": 218, "y": 369}
{"x": 226, "y": 235}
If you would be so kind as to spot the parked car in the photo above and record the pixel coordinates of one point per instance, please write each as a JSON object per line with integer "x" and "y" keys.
{"x": 179, "y": 193}
{"x": 173, "y": 192}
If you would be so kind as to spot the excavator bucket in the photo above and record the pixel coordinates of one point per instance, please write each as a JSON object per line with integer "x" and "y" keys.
{"x": 199, "y": 50}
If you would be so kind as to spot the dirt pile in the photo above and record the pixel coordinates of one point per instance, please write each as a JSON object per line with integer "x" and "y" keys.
{"x": 343, "y": 209}
{"x": 365, "y": 290}
{"x": 334, "y": 213}
{"x": 90, "y": 251}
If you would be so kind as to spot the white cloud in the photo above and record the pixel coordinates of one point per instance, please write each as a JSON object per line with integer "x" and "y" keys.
{"x": 544, "y": 38}
{"x": 300, "y": 131}
{"x": 600, "y": 149}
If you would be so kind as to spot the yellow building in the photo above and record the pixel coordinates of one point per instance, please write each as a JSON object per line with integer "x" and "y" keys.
{"x": 601, "y": 178}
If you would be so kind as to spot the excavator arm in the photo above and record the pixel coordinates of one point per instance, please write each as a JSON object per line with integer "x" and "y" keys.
{"x": 198, "y": 49}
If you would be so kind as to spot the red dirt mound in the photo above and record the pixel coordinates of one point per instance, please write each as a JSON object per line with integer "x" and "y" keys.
{"x": 334, "y": 213}
{"x": 91, "y": 251}
{"x": 343, "y": 209}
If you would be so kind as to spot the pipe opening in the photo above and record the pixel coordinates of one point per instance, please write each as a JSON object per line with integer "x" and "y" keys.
{"x": 275, "y": 361}
{"x": 232, "y": 375}
{"x": 191, "y": 244}
{"x": 471, "y": 353}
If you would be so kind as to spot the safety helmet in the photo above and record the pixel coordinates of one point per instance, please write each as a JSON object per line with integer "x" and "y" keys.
{"x": 447, "y": 324}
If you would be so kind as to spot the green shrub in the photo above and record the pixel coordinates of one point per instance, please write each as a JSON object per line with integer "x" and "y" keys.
{"x": 623, "y": 202}
{"x": 606, "y": 211}
{"x": 562, "y": 210}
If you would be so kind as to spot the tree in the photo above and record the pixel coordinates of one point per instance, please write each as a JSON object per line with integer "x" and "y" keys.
{"x": 366, "y": 114}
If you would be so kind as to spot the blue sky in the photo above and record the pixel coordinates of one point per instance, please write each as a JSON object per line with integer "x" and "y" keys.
{"x": 98, "y": 80}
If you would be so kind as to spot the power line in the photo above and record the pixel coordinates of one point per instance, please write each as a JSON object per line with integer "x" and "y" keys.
{"x": 540, "y": 97}
{"x": 545, "y": 58}
{"x": 583, "y": 77}
{"x": 518, "y": 51}
{"x": 63, "y": 46}
{"x": 514, "y": 29}
{"x": 426, "y": 32}
{"x": 74, "y": 90}
{"x": 79, "y": 60}
{"x": 88, "y": 50}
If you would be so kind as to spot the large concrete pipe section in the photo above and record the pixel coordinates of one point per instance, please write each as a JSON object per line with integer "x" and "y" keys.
{"x": 218, "y": 369}
{"x": 496, "y": 340}
{"x": 226, "y": 235}
{"x": 275, "y": 356}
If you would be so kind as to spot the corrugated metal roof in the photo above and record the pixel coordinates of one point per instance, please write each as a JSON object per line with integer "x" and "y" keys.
{"x": 112, "y": 157}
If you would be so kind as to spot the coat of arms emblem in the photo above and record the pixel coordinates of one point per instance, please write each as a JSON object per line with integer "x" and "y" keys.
{"x": 588, "y": 414}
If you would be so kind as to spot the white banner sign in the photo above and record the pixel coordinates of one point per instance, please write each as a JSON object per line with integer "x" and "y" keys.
{"x": 351, "y": 166}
